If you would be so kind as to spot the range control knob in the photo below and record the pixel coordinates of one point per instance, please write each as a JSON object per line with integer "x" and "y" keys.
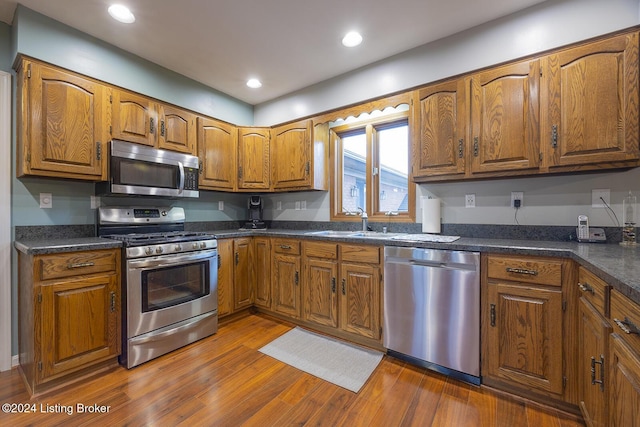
{"x": 195, "y": 245}
{"x": 148, "y": 251}
{"x": 203, "y": 245}
{"x": 177, "y": 248}
{"x": 163, "y": 213}
{"x": 159, "y": 250}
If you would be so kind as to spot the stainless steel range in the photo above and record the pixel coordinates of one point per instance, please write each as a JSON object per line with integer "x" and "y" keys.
{"x": 170, "y": 280}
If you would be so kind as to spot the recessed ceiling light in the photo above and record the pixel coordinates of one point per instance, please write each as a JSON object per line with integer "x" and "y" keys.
{"x": 254, "y": 83}
{"x": 353, "y": 38}
{"x": 121, "y": 13}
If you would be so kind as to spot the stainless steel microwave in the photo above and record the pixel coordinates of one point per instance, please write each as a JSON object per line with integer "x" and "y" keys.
{"x": 146, "y": 171}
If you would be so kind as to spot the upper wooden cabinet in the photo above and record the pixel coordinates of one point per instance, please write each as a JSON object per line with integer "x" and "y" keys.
{"x": 62, "y": 124}
{"x": 136, "y": 118}
{"x": 253, "y": 158}
{"x": 592, "y": 105}
{"x": 300, "y": 150}
{"x": 439, "y": 130}
{"x": 505, "y": 115}
{"x": 217, "y": 148}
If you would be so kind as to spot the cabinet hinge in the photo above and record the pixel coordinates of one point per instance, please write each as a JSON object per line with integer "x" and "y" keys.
{"x": 110, "y": 99}
{"x": 29, "y": 157}
{"x": 98, "y": 150}
{"x": 110, "y": 130}
{"x": 564, "y": 382}
{"x": 29, "y": 71}
{"x": 39, "y": 366}
{"x": 540, "y": 156}
{"x": 39, "y": 297}
{"x": 564, "y": 305}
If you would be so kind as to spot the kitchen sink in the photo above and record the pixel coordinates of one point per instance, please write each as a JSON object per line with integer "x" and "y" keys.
{"x": 349, "y": 233}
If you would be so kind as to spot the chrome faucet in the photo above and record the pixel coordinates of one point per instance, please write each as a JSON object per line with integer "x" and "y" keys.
{"x": 365, "y": 219}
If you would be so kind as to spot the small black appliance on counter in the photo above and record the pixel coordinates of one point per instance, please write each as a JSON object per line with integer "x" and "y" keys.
{"x": 255, "y": 213}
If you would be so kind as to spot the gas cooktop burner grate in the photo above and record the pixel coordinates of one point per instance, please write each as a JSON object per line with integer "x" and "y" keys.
{"x": 133, "y": 239}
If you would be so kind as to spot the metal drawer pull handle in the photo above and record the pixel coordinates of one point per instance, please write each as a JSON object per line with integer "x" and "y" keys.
{"x": 593, "y": 371}
{"x": 627, "y": 326}
{"x": 522, "y": 271}
{"x": 585, "y": 287}
{"x": 285, "y": 247}
{"x": 80, "y": 265}
{"x": 493, "y": 315}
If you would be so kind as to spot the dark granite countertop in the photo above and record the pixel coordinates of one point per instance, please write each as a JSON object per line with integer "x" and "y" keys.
{"x": 50, "y": 246}
{"x": 617, "y": 265}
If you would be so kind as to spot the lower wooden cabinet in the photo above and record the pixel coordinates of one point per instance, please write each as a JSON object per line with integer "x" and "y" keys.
{"x": 341, "y": 287}
{"x": 286, "y": 272}
{"x": 236, "y": 282}
{"x": 262, "y": 274}
{"x": 69, "y": 315}
{"x": 625, "y": 384}
{"x": 523, "y": 324}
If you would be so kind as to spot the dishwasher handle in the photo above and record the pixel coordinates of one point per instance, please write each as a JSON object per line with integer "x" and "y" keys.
{"x": 440, "y": 264}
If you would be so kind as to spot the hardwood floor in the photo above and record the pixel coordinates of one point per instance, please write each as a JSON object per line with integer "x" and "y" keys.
{"x": 224, "y": 380}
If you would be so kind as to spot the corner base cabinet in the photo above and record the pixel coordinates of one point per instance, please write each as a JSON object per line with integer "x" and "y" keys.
{"x": 69, "y": 315}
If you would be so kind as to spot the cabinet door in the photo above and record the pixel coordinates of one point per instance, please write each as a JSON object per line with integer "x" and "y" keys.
{"x": 217, "y": 146}
{"x": 593, "y": 102}
{"x": 593, "y": 333}
{"x": 360, "y": 299}
{"x": 320, "y": 292}
{"x": 286, "y": 284}
{"x": 505, "y": 116}
{"x": 291, "y": 152}
{"x": 253, "y": 159}
{"x": 625, "y": 384}
{"x": 80, "y": 323}
{"x": 439, "y": 130}
{"x": 177, "y": 130}
{"x": 262, "y": 264}
{"x": 524, "y": 336}
{"x": 225, "y": 276}
{"x": 134, "y": 118}
{"x": 65, "y": 124}
{"x": 242, "y": 274}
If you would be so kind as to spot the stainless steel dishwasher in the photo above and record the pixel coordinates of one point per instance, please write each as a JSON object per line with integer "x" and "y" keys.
{"x": 432, "y": 309}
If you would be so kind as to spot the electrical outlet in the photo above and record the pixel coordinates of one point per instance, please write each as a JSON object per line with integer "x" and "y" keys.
{"x": 279, "y": 205}
{"x": 220, "y": 205}
{"x": 298, "y": 205}
{"x": 95, "y": 202}
{"x": 517, "y": 195}
{"x": 470, "y": 201}
{"x": 303, "y": 205}
{"x": 46, "y": 200}
{"x": 596, "y": 195}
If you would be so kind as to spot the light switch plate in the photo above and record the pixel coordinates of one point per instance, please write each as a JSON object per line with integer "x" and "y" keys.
{"x": 298, "y": 205}
{"x": 220, "y": 205}
{"x": 596, "y": 202}
{"x": 95, "y": 202}
{"x": 303, "y": 205}
{"x": 279, "y": 205}
{"x": 46, "y": 201}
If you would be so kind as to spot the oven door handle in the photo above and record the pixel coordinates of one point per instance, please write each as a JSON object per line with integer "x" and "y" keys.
{"x": 171, "y": 260}
{"x": 181, "y": 182}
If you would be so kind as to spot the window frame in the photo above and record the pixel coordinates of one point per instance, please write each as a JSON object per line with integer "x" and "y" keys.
{"x": 371, "y": 127}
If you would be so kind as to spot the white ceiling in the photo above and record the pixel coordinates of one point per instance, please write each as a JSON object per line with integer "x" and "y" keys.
{"x": 287, "y": 44}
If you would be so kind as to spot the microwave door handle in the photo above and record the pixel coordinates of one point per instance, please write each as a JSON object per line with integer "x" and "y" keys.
{"x": 181, "y": 183}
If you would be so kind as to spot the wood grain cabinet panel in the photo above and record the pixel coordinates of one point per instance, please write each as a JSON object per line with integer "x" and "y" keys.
{"x": 440, "y": 130}
{"x": 625, "y": 384}
{"x": 360, "y": 301}
{"x": 286, "y": 289}
{"x": 301, "y": 152}
{"x": 243, "y": 277}
{"x": 62, "y": 126}
{"x": 177, "y": 129}
{"x": 134, "y": 118}
{"x": 262, "y": 264}
{"x": 225, "y": 277}
{"x": 320, "y": 286}
{"x": 592, "y": 109}
{"x": 217, "y": 150}
{"x": 69, "y": 318}
{"x": 254, "y": 164}
{"x": 505, "y": 118}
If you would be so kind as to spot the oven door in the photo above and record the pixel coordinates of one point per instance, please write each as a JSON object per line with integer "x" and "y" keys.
{"x": 167, "y": 289}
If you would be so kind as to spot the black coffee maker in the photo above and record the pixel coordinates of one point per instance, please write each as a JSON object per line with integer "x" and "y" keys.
{"x": 255, "y": 213}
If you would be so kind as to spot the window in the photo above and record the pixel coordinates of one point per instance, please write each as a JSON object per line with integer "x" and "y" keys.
{"x": 371, "y": 169}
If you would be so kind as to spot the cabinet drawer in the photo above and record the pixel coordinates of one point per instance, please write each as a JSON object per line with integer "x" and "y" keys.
{"x": 594, "y": 290}
{"x": 286, "y": 246}
{"x": 55, "y": 266}
{"x": 320, "y": 250}
{"x": 360, "y": 253}
{"x": 525, "y": 269}
{"x": 625, "y": 318}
